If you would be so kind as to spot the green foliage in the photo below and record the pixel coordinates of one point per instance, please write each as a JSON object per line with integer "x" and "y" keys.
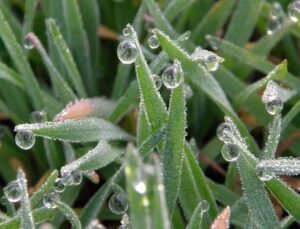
{"x": 100, "y": 125}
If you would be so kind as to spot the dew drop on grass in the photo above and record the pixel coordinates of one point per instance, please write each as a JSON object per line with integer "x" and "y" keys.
{"x": 172, "y": 75}
{"x": 59, "y": 186}
{"x": 12, "y": 191}
{"x": 126, "y": 31}
{"x": 264, "y": 175}
{"x": 125, "y": 222}
{"x": 50, "y": 199}
{"x": 210, "y": 60}
{"x": 37, "y": 117}
{"x": 274, "y": 107}
{"x": 273, "y": 25}
{"x": 224, "y": 131}
{"x": 25, "y": 139}
{"x": 28, "y": 44}
{"x": 118, "y": 203}
{"x": 294, "y": 11}
{"x": 67, "y": 179}
{"x": 157, "y": 81}
{"x": 204, "y": 205}
{"x": 211, "y": 63}
{"x": 77, "y": 177}
{"x": 153, "y": 42}
{"x": 127, "y": 51}
{"x": 230, "y": 152}
{"x": 276, "y": 11}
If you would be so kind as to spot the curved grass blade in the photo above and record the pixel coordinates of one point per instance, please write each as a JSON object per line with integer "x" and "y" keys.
{"x": 66, "y": 56}
{"x": 94, "y": 159}
{"x": 18, "y": 56}
{"x": 60, "y": 86}
{"x": 11, "y": 76}
{"x": 172, "y": 156}
{"x": 45, "y": 188}
{"x": 26, "y": 214}
{"x": 196, "y": 219}
{"x": 70, "y": 214}
{"x": 30, "y": 8}
{"x": 95, "y": 204}
{"x": 77, "y": 130}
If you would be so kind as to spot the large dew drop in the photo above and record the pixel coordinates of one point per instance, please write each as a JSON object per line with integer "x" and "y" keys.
{"x": 118, "y": 203}
{"x": 294, "y": 11}
{"x": 28, "y": 44}
{"x": 264, "y": 175}
{"x": 204, "y": 205}
{"x": 153, "y": 42}
{"x": 127, "y": 51}
{"x": 274, "y": 107}
{"x": 173, "y": 75}
{"x": 224, "y": 131}
{"x": 271, "y": 99}
{"x": 77, "y": 177}
{"x": 59, "y": 185}
{"x": 67, "y": 179}
{"x": 230, "y": 152}
{"x": 25, "y": 139}
{"x": 13, "y": 191}
{"x": 50, "y": 200}
{"x": 273, "y": 25}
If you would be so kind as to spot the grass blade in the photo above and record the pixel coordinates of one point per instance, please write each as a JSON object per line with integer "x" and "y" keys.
{"x": 78, "y": 130}
{"x": 30, "y": 8}
{"x": 70, "y": 214}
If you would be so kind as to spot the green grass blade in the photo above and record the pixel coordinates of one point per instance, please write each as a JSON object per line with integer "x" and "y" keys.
{"x": 26, "y": 214}
{"x": 196, "y": 219}
{"x": 30, "y": 8}
{"x": 66, "y": 56}
{"x": 175, "y": 7}
{"x": 288, "y": 118}
{"x": 79, "y": 44}
{"x": 45, "y": 188}
{"x": 11, "y": 76}
{"x": 18, "y": 56}
{"x": 95, "y": 204}
{"x": 273, "y": 138}
{"x": 77, "y": 130}
{"x": 60, "y": 86}
{"x": 243, "y": 21}
{"x": 70, "y": 214}
{"x": 172, "y": 156}
{"x": 11, "y": 20}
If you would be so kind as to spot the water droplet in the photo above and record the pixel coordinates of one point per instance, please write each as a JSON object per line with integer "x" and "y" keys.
{"x": 59, "y": 185}
{"x": 37, "y": 116}
{"x": 125, "y": 222}
{"x": 67, "y": 179}
{"x": 294, "y": 11}
{"x": 273, "y": 25}
{"x": 28, "y": 44}
{"x": 127, "y": 51}
{"x": 153, "y": 42}
{"x": 126, "y": 32}
{"x": 188, "y": 92}
{"x": 210, "y": 60}
{"x": 172, "y": 75}
{"x": 157, "y": 81}
{"x": 13, "y": 191}
{"x": 140, "y": 187}
{"x": 50, "y": 199}
{"x": 274, "y": 107}
{"x": 276, "y": 11}
{"x": 230, "y": 152}
{"x": 118, "y": 203}
{"x": 212, "y": 63}
{"x": 77, "y": 177}
{"x": 264, "y": 175}
{"x": 224, "y": 131}
{"x": 204, "y": 205}
{"x": 25, "y": 139}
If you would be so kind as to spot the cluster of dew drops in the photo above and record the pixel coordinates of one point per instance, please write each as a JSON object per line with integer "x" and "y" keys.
{"x": 276, "y": 15}
{"x": 172, "y": 76}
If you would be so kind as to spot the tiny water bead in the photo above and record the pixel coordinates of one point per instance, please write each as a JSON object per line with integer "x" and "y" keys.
{"x": 37, "y": 117}
{"x": 25, "y": 139}
{"x": 12, "y": 191}
{"x": 157, "y": 81}
{"x": 153, "y": 42}
{"x": 67, "y": 179}
{"x": 59, "y": 185}
{"x": 294, "y": 11}
{"x": 77, "y": 177}
{"x": 273, "y": 25}
{"x": 27, "y": 43}
{"x": 172, "y": 75}
{"x": 204, "y": 205}
{"x": 126, "y": 31}
{"x": 224, "y": 131}
{"x": 274, "y": 107}
{"x": 276, "y": 11}
{"x": 230, "y": 152}
{"x": 127, "y": 51}
{"x": 118, "y": 203}
{"x": 50, "y": 199}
